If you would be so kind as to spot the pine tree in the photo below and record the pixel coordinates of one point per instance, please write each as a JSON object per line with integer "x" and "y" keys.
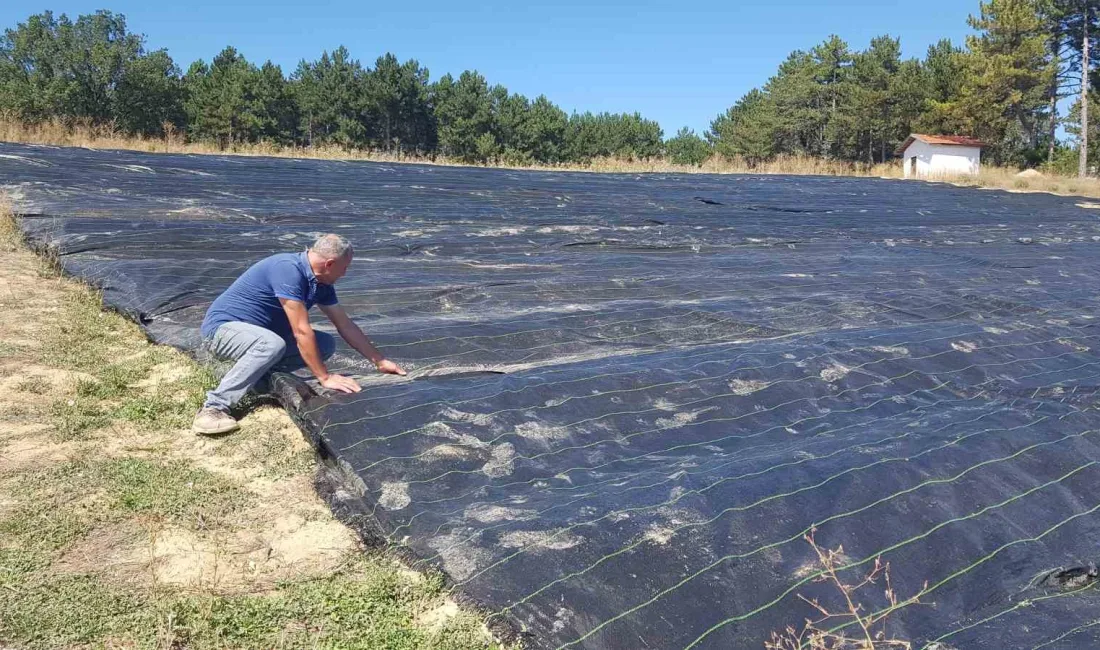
{"x": 747, "y": 130}
{"x": 832, "y": 61}
{"x": 330, "y": 93}
{"x": 871, "y": 101}
{"x": 218, "y": 98}
{"x": 1003, "y": 96}
{"x": 687, "y": 148}
{"x": 396, "y": 100}
{"x": 547, "y": 125}
{"x": 274, "y": 105}
{"x": 945, "y": 67}
{"x": 464, "y": 114}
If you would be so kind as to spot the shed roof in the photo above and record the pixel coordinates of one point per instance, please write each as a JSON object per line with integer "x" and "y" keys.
{"x": 952, "y": 140}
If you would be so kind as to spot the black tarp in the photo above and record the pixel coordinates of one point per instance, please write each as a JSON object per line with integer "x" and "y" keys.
{"x": 630, "y": 396}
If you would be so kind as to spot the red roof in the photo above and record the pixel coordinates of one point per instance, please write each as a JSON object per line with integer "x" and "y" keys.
{"x": 955, "y": 140}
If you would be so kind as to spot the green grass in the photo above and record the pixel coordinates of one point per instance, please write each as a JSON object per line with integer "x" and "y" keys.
{"x": 83, "y": 336}
{"x": 35, "y": 529}
{"x": 15, "y": 413}
{"x": 75, "y": 417}
{"x": 10, "y": 350}
{"x": 173, "y": 490}
{"x": 34, "y": 384}
{"x": 369, "y": 606}
{"x": 42, "y": 610}
{"x": 110, "y": 393}
{"x": 263, "y": 442}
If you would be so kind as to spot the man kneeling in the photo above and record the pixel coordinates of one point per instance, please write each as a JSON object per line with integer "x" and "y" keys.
{"x": 262, "y": 323}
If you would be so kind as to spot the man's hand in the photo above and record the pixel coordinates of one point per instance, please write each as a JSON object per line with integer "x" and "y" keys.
{"x": 390, "y": 368}
{"x": 341, "y": 383}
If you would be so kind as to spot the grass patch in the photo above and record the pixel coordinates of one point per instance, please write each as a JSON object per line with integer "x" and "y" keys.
{"x": 83, "y": 335}
{"x": 35, "y": 529}
{"x": 10, "y": 350}
{"x": 369, "y": 605}
{"x": 11, "y": 238}
{"x": 170, "y": 403}
{"x": 66, "y": 501}
{"x": 49, "y": 611}
{"x": 15, "y": 412}
{"x": 268, "y": 440}
{"x": 35, "y": 385}
{"x": 73, "y": 418}
{"x": 174, "y": 490}
{"x": 156, "y": 412}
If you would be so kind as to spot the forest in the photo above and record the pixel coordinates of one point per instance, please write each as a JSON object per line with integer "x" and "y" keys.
{"x": 1016, "y": 84}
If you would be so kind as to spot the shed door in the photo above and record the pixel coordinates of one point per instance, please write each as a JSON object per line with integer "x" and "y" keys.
{"x": 913, "y": 166}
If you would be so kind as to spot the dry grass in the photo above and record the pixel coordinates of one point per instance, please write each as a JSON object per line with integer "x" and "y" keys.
{"x": 105, "y": 137}
{"x": 58, "y": 133}
{"x": 1008, "y": 179}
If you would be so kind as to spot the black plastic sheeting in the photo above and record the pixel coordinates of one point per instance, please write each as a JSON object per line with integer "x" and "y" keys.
{"x": 632, "y": 395}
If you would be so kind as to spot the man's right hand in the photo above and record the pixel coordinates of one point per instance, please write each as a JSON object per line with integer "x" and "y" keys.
{"x": 341, "y": 383}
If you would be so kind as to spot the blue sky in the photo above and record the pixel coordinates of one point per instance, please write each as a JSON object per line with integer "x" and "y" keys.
{"x": 680, "y": 63}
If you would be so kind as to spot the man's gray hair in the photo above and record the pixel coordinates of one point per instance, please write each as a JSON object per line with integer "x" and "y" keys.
{"x": 331, "y": 247}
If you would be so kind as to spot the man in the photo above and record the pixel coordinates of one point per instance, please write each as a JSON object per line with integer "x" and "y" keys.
{"x": 262, "y": 323}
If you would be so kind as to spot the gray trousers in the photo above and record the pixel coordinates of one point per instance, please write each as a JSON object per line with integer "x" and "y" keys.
{"x": 256, "y": 351}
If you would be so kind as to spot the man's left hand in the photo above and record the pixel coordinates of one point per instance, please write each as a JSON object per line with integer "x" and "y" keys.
{"x": 390, "y": 368}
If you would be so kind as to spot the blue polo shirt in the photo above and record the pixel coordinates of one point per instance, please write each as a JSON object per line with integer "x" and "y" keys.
{"x": 254, "y": 297}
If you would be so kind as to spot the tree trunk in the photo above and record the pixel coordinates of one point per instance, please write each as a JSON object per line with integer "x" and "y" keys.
{"x": 1083, "y": 161}
{"x": 1053, "y": 123}
{"x": 1051, "y": 134}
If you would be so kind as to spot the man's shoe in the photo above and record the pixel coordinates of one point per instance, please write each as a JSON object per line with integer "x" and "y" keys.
{"x": 214, "y": 422}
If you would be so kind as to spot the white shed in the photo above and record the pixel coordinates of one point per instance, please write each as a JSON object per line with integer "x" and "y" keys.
{"x": 926, "y": 156}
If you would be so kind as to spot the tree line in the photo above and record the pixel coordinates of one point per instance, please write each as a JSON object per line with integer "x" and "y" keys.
{"x": 94, "y": 70}
{"x": 1004, "y": 86}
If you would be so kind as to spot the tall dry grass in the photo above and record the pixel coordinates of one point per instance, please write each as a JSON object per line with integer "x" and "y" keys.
{"x": 105, "y": 137}
{"x": 56, "y": 132}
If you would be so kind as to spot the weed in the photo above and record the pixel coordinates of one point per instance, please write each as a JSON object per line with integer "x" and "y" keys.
{"x": 870, "y": 626}
{"x": 44, "y": 530}
{"x": 14, "y": 412}
{"x": 157, "y": 411}
{"x": 35, "y": 384}
{"x": 75, "y": 417}
{"x": 10, "y": 350}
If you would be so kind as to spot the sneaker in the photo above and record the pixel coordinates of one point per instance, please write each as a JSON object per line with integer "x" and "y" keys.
{"x": 213, "y": 422}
